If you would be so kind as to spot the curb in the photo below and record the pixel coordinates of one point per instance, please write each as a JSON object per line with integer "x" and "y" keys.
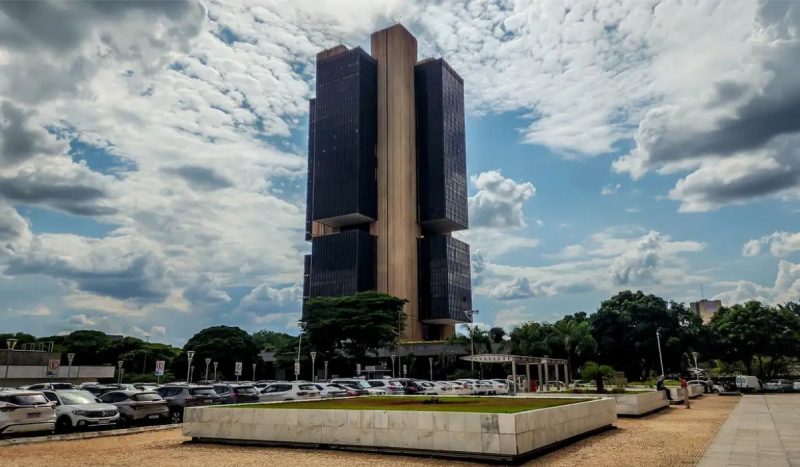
{"x": 85, "y": 435}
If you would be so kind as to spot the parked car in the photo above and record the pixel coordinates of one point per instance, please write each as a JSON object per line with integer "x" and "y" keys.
{"x": 349, "y": 391}
{"x": 138, "y": 406}
{"x": 456, "y": 388}
{"x": 708, "y": 385}
{"x": 410, "y": 386}
{"x": 779, "y": 385}
{"x": 474, "y": 386}
{"x": 179, "y": 397}
{"x": 747, "y": 383}
{"x": 361, "y": 384}
{"x": 99, "y": 389}
{"x": 23, "y": 411}
{"x": 76, "y": 408}
{"x": 145, "y": 386}
{"x": 233, "y": 393}
{"x": 289, "y": 392}
{"x": 40, "y": 386}
{"x": 392, "y": 387}
{"x": 498, "y": 387}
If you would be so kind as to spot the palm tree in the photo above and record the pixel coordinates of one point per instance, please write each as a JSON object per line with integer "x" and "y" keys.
{"x": 598, "y": 373}
{"x": 573, "y": 337}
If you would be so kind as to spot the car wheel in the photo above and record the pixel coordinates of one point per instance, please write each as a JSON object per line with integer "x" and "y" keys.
{"x": 176, "y": 416}
{"x": 63, "y": 425}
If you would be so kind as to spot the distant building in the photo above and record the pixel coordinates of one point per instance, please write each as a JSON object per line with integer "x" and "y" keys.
{"x": 387, "y": 182}
{"x": 705, "y": 309}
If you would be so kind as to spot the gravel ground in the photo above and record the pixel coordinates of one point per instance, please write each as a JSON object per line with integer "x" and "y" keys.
{"x": 671, "y": 437}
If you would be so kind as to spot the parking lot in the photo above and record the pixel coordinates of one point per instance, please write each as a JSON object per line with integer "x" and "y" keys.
{"x": 673, "y": 436}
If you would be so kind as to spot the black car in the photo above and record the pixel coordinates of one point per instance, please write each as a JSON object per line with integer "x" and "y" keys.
{"x": 232, "y": 393}
{"x": 410, "y": 386}
{"x": 180, "y": 396}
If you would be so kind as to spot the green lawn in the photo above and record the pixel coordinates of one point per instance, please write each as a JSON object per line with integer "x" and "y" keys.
{"x": 445, "y": 404}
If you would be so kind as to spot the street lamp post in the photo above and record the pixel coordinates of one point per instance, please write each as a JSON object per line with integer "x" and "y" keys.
{"x": 215, "y": 370}
{"x": 326, "y": 370}
{"x": 430, "y": 362}
{"x": 696, "y": 367}
{"x": 119, "y": 373}
{"x": 208, "y": 361}
{"x": 658, "y": 341}
{"x": 191, "y": 373}
{"x": 144, "y": 360}
{"x": 190, "y": 356}
{"x": 313, "y": 367}
{"x": 70, "y": 357}
{"x": 301, "y": 324}
{"x": 393, "y": 357}
{"x": 470, "y": 314}
{"x": 10, "y": 344}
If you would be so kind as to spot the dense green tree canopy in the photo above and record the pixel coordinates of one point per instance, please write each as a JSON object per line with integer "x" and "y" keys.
{"x": 223, "y": 344}
{"x": 355, "y": 325}
{"x": 272, "y": 340}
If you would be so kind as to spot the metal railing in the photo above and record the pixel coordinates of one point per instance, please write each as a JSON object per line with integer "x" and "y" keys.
{"x": 37, "y": 347}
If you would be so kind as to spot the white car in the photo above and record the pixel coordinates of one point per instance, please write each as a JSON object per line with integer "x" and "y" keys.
{"x": 288, "y": 392}
{"x": 327, "y": 391}
{"x": 496, "y": 387}
{"x": 458, "y": 389}
{"x": 25, "y": 412}
{"x": 474, "y": 386}
{"x": 391, "y": 387}
{"x": 362, "y": 385}
{"x": 796, "y": 385}
{"x": 781, "y": 385}
{"x": 81, "y": 409}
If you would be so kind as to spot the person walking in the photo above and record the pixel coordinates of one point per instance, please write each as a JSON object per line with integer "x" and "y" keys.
{"x": 660, "y": 387}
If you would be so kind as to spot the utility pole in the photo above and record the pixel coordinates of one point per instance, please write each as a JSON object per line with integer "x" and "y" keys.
{"x": 144, "y": 361}
{"x": 70, "y": 356}
{"x": 190, "y": 356}
{"x": 208, "y": 361}
{"x": 658, "y": 340}
{"x": 313, "y": 367}
{"x": 215, "y": 370}
{"x": 470, "y": 314}
{"x": 299, "y": 344}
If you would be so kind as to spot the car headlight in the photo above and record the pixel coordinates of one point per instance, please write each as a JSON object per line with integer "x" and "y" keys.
{"x": 79, "y": 412}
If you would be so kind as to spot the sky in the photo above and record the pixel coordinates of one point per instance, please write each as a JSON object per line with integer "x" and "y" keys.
{"x": 152, "y": 154}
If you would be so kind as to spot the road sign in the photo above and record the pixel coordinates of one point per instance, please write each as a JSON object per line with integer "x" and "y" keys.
{"x": 358, "y": 368}
{"x": 160, "y": 367}
{"x": 405, "y": 369}
{"x": 52, "y": 368}
{"x": 297, "y": 368}
{"x": 238, "y": 371}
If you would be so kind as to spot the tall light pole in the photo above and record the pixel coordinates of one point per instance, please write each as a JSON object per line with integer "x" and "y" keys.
{"x": 208, "y": 361}
{"x": 313, "y": 367}
{"x": 696, "y": 367}
{"x": 215, "y": 370}
{"x": 191, "y": 373}
{"x": 430, "y": 362}
{"x": 326, "y": 370}
{"x": 393, "y": 357}
{"x": 658, "y": 340}
{"x": 10, "y": 344}
{"x": 190, "y": 356}
{"x": 254, "y": 372}
{"x": 119, "y": 373}
{"x": 301, "y": 324}
{"x": 70, "y": 357}
{"x": 470, "y": 314}
{"x": 144, "y": 362}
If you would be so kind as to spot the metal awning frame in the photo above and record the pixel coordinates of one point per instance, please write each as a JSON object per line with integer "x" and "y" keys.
{"x": 517, "y": 359}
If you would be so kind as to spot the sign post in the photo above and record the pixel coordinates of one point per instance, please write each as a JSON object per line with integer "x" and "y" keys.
{"x": 119, "y": 373}
{"x": 70, "y": 357}
{"x": 254, "y": 372}
{"x": 208, "y": 360}
{"x": 326, "y": 370}
{"x": 405, "y": 370}
{"x": 52, "y": 368}
{"x": 393, "y": 357}
{"x": 296, "y": 369}
{"x": 160, "y": 364}
{"x": 215, "y": 370}
{"x": 358, "y": 369}
{"x": 238, "y": 370}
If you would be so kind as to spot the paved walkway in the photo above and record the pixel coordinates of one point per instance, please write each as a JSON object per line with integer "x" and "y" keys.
{"x": 763, "y": 430}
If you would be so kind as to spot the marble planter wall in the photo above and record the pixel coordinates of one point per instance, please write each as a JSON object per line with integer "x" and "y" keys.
{"x": 474, "y": 434}
{"x": 630, "y": 404}
{"x": 695, "y": 390}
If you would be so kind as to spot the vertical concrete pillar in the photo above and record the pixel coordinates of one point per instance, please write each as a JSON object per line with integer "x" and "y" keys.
{"x": 546, "y": 375}
{"x": 557, "y": 378}
{"x": 566, "y": 374}
{"x": 397, "y": 228}
{"x": 514, "y": 377}
{"x": 541, "y": 380}
{"x": 527, "y": 377}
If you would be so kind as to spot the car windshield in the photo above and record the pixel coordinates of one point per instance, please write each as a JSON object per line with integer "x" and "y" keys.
{"x": 307, "y": 387}
{"x": 363, "y": 384}
{"x": 77, "y": 397}
{"x": 146, "y": 397}
{"x": 376, "y": 384}
{"x": 202, "y": 392}
{"x": 245, "y": 390}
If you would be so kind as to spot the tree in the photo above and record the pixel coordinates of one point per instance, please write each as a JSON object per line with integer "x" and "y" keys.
{"x": 625, "y": 330}
{"x": 573, "y": 337}
{"x": 497, "y": 334}
{"x": 597, "y": 373}
{"x": 756, "y": 333}
{"x": 272, "y": 340}
{"x": 530, "y": 339}
{"x": 224, "y": 344}
{"x": 355, "y": 325}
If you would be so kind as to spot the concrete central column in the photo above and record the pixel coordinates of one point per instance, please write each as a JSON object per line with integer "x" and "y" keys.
{"x": 397, "y": 229}
{"x": 527, "y": 377}
{"x": 546, "y": 376}
{"x": 541, "y": 381}
{"x": 557, "y": 378}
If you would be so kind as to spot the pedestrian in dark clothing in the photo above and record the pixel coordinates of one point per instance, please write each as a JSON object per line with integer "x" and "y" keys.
{"x": 660, "y": 387}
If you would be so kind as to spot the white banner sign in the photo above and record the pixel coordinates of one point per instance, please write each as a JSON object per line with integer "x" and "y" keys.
{"x": 160, "y": 364}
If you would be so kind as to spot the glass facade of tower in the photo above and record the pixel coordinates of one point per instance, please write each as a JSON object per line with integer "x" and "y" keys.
{"x": 441, "y": 147}
{"x": 445, "y": 292}
{"x": 342, "y": 264}
{"x": 310, "y": 169}
{"x": 344, "y": 139}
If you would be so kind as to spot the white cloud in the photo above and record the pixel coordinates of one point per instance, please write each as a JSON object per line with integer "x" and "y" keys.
{"x": 81, "y": 320}
{"x": 779, "y": 244}
{"x": 786, "y": 287}
{"x": 40, "y": 310}
{"x": 510, "y": 318}
{"x": 610, "y": 189}
{"x": 499, "y": 201}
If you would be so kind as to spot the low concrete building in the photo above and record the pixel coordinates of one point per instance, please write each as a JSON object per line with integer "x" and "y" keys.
{"x": 24, "y": 367}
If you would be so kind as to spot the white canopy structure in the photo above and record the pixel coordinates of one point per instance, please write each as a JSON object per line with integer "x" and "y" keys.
{"x": 542, "y": 365}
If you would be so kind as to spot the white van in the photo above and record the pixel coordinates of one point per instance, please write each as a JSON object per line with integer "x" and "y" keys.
{"x": 746, "y": 383}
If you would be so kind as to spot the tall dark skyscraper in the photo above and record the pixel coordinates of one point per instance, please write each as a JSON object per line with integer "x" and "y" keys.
{"x": 387, "y": 182}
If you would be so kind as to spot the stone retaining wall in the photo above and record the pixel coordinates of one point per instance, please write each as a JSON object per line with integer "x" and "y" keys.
{"x": 489, "y": 435}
